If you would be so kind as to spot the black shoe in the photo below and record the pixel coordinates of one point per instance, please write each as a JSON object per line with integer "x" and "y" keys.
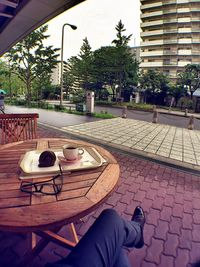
{"x": 139, "y": 217}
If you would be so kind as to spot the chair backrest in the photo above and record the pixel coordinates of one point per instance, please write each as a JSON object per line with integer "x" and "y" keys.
{"x": 18, "y": 127}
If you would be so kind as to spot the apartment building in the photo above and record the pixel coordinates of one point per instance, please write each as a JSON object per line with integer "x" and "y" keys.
{"x": 135, "y": 52}
{"x": 170, "y": 34}
{"x": 55, "y": 75}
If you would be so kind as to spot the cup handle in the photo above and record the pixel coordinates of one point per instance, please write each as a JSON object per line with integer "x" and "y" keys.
{"x": 80, "y": 151}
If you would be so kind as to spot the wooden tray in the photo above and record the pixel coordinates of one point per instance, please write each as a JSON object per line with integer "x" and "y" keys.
{"x": 29, "y": 164}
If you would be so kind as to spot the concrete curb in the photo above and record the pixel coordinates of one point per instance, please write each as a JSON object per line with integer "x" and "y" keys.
{"x": 187, "y": 167}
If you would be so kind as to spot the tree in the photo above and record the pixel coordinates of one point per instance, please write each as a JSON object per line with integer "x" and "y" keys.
{"x": 154, "y": 82}
{"x": 127, "y": 67}
{"x": 68, "y": 76}
{"x": 9, "y": 81}
{"x": 106, "y": 65}
{"x": 177, "y": 92}
{"x": 190, "y": 77}
{"x": 122, "y": 40}
{"x": 105, "y": 68}
{"x": 84, "y": 65}
{"x": 31, "y": 60}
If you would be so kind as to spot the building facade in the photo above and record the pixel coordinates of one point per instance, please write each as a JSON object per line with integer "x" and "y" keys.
{"x": 55, "y": 75}
{"x": 170, "y": 35}
{"x": 135, "y": 51}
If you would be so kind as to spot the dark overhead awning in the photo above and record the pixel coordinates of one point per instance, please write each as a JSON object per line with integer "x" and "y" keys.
{"x": 20, "y": 17}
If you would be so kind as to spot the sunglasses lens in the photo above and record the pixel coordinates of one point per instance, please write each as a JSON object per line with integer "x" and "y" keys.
{"x": 50, "y": 187}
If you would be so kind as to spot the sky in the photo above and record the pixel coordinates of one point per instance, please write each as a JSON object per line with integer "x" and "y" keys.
{"x": 96, "y": 20}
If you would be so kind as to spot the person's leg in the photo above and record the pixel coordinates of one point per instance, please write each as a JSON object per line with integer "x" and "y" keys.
{"x": 103, "y": 242}
{"x": 122, "y": 260}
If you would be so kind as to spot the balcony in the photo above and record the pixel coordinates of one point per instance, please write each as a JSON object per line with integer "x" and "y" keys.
{"x": 151, "y": 23}
{"x": 152, "y": 33}
{"x": 169, "y": 3}
{"x": 169, "y": 31}
{"x": 157, "y": 53}
{"x": 148, "y": 6}
{"x": 151, "y": 14}
{"x": 183, "y": 52}
{"x": 158, "y": 42}
{"x": 183, "y": 1}
{"x": 183, "y": 10}
{"x": 183, "y": 63}
{"x": 151, "y": 64}
{"x": 185, "y": 41}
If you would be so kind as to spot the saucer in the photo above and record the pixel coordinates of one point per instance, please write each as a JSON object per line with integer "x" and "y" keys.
{"x": 63, "y": 159}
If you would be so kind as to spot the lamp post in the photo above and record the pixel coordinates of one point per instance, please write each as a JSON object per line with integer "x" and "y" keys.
{"x": 61, "y": 71}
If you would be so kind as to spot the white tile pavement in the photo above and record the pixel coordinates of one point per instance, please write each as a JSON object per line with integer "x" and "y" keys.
{"x": 174, "y": 145}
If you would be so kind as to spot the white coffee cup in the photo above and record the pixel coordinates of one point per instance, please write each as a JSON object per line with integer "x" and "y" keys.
{"x": 72, "y": 152}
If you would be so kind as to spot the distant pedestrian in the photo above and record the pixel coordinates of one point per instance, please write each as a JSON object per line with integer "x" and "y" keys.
{"x": 2, "y": 107}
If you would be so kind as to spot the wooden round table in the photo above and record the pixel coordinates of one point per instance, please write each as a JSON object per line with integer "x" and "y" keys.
{"x": 82, "y": 190}
{"x": 44, "y": 215}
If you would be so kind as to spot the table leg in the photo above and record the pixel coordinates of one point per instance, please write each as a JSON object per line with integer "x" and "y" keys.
{"x": 46, "y": 237}
{"x": 53, "y": 237}
{"x": 33, "y": 240}
{"x": 73, "y": 232}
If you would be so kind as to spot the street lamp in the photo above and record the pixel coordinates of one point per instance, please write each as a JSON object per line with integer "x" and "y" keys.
{"x": 61, "y": 72}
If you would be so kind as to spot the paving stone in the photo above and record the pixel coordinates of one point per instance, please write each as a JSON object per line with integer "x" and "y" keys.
{"x": 136, "y": 256}
{"x": 171, "y": 245}
{"x": 194, "y": 254}
{"x": 187, "y": 195}
{"x": 196, "y": 233}
{"x": 175, "y": 225}
{"x": 149, "y": 231}
{"x": 120, "y": 207}
{"x": 169, "y": 201}
{"x": 186, "y": 239}
{"x": 140, "y": 195}
{"x": 127, "y": 197}
{"x": 182, "y": 258}
{"x": 161, "y": 230}
{"x": 158, "y": 203}
{"x": 171, "y": 190}
{"x": 166, "y": 214}
{"x": 177, "y": 210}
{"x": 115, "y": 197}
{"x": 196, "y": 203}
{"x": 155, "y": 185}
{"x": 139, "y": 179}
{"x": 151, "y": 194}
{"x": 145, "y": 186}
{"x": 153, "y": 217}
{"x": 164, "y": 184}
{"x": 166, "y": 261}
{"x": 147, "y": 205}
{"x": 179, "y": 198}
{"x": 154, "y": 251}
{"x": 187, "y": 221}
{"x": 196, "y": 216}
{"x": 148, "y": 264}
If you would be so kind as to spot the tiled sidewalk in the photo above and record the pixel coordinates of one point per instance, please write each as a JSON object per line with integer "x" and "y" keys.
{"x": 171, "y": 199}
{"x": 162, "y": 142}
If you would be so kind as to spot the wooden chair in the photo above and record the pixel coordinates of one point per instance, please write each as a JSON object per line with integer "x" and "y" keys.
{"x": 17, "y": 127}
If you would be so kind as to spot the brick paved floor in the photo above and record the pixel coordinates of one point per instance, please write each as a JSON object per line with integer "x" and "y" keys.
{"x": 170, "y": 198}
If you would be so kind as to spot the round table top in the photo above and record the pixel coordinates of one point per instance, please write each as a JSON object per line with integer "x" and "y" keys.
{"x": 81, "y": 193}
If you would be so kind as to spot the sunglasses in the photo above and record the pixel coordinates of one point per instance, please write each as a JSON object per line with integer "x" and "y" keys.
{"x": 52, "y": 186}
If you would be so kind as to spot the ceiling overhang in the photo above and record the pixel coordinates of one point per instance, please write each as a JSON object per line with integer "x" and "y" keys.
{"x": 20, "y": 17}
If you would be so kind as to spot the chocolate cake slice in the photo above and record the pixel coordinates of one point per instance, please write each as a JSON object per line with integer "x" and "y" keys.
{"x": 47, "y": 159}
